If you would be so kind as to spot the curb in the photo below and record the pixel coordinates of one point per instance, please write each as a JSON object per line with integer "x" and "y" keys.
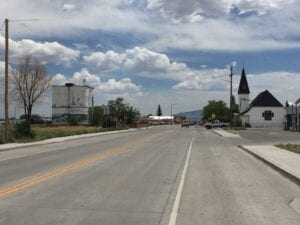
{"x": 279, "y": 169}
{"x": 225, "y": 133}
{"x": 213, "y": 130}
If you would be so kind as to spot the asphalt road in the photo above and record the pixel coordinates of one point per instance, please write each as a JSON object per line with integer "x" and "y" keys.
{"x": 270, "y": 136}
{"x": 165, "y": 175}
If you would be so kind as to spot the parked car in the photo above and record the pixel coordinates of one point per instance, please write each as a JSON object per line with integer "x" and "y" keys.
{"x": 185, "y": 124}
{"x": 215, "y": 123}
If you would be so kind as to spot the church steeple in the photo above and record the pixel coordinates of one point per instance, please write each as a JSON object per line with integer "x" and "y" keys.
{"x": 243, "y": 93}
{"x": 243, "y": 88}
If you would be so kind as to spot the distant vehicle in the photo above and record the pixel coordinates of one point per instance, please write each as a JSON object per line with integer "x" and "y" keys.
{"x": 185, "y": 124}
{"x": 215, "y": 123}
{"x": 191, "y": 123}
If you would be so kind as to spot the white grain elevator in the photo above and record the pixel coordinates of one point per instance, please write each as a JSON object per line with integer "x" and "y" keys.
{"x": 71, "y": 100}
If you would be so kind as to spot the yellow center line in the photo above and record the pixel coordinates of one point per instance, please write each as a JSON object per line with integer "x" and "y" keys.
{"x": 78, "y": 164}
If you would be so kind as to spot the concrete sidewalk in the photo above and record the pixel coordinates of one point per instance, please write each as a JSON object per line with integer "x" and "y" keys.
{"x": 282, "y": 160}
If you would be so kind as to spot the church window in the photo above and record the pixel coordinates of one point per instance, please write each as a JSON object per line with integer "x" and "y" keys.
{"x": 268, "y": 115}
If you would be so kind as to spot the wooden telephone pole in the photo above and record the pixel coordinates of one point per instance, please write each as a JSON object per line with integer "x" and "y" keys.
{"x": 230, "y": 101}
{"x": 6, "y": 104}
{"x": 6, "y": 83}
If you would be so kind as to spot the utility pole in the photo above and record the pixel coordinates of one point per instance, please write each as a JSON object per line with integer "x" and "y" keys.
{"x": 6, "y": 83}
{"x": 171, "y": 113}
{"x": 6, "y": 104}
{"x": 230, "y": 101}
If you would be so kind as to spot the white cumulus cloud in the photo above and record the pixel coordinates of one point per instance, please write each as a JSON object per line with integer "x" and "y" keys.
{"x": 111, "y": 87}
{"x": 45, "y": 51}
{"x": 209, "y": 24}
{"x": 59, "y": 79}
{"x": 143, "y": 62}
{"x": 204, "y": 79}
{"x": 68, "y": 7}
{"x": 194, "y": 10}
{"x": 123, "y": 87}
{"x": 136, "y": 60}
{"x": 108, "y": 61}
{"x": 85, "y": 77}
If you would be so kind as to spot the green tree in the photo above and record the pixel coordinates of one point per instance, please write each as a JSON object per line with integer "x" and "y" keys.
{"x": 96, "y": 116}
{"x": 117, "y": 109}
{"x": 159, "y": 111}
{"x": 217, "y": 108}
{"x": 122, "y": 113}
{"x": 132, "y": 115}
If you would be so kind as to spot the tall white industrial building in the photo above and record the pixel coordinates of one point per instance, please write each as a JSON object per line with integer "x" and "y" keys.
{"x": 71, "y": 100}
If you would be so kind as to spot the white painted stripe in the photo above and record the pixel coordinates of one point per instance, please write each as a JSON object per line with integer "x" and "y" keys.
{"x": 174, "y": 213}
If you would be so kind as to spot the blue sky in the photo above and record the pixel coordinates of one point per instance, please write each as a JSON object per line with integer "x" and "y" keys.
{"x": 159, "y": 51}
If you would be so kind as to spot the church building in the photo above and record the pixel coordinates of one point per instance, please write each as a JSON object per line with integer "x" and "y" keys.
{"x": 264, "y": 111}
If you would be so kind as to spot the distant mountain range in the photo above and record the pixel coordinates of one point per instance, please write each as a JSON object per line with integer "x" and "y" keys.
{"x": 192, "y": 115}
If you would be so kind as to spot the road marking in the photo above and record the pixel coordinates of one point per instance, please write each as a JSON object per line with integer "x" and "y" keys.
{"x": 174, "y": 213}
{"x": 78, "y": 164}
{"x": 295, "y": 204}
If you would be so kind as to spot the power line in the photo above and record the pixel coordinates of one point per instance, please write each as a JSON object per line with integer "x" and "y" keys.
{"x": 24, "y": 20}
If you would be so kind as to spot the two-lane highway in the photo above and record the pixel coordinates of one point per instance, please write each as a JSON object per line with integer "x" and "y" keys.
{"x": 165, "y": 175}
{"x": 124, "y": 180}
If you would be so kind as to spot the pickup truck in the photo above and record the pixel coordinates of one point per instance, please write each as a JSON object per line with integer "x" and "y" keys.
{"x": 215, "y": 123}
{"x": 185, "y": 124}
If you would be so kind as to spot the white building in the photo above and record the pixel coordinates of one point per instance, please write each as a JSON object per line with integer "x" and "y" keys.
{"x": 71, "y": 100}
{"x": 264, "y": 111}
{"x": 160, "y": 120}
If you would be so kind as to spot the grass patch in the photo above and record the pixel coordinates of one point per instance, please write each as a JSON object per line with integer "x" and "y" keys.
{"x": 46, "y": 132}
{"x": 63, "y": 131}
{"x": 290, "y": 147}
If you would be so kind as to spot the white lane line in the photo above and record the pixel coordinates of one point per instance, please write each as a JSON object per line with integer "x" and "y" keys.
{"x": 174, "y": 213}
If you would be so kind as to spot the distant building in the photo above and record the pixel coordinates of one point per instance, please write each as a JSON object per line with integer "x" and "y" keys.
{"x": 71, "y": 100}
{"x": 264, "y": 111}
{"x": 160, "y": 120}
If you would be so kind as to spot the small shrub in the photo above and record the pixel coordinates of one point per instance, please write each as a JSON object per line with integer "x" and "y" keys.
{"x": 73, "y": 120}
{"x": 23, "y": 130}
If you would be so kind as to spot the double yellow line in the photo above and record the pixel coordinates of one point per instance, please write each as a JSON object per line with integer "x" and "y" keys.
{"x": 78, "y": 164}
